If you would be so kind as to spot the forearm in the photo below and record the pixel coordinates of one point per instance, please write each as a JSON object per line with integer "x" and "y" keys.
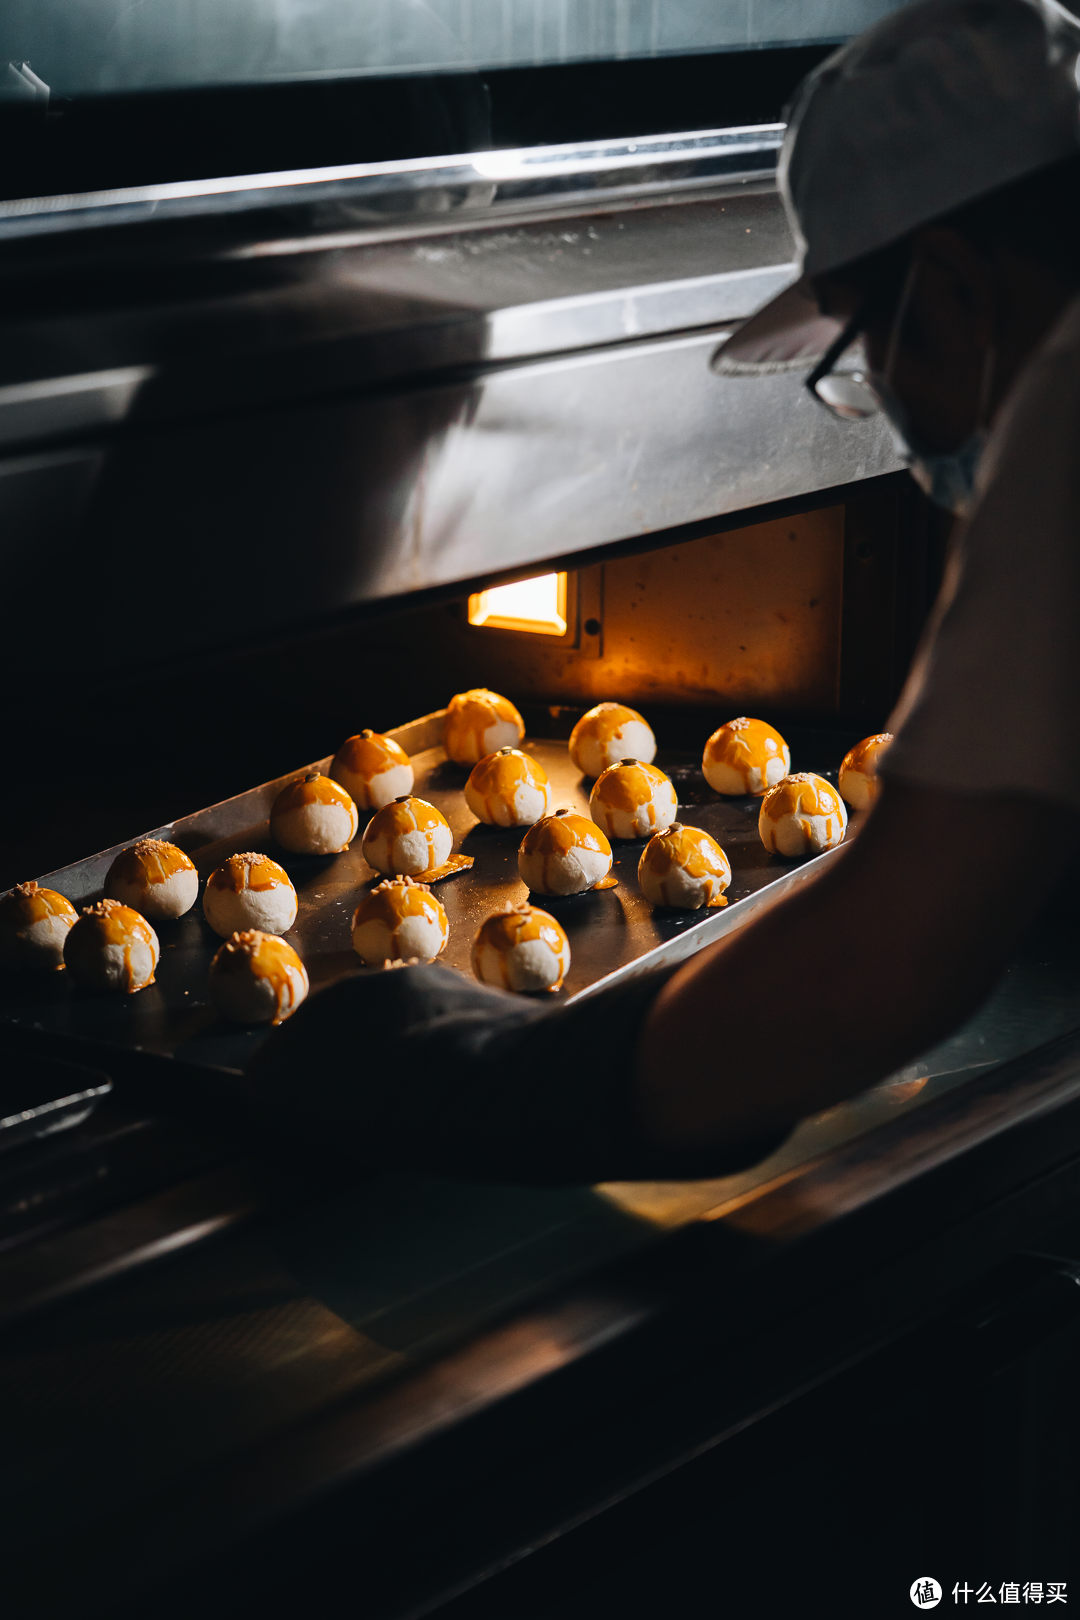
{"x": 832, "y": 988}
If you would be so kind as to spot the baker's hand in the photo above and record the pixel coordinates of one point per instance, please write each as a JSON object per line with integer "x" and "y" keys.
{"x": 421, "y": 1069}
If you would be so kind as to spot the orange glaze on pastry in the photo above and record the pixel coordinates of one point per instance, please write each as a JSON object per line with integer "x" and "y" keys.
{"x": 802, "y": 815}
{"x": 151, "y": 859}
{"x": 30, "y": 903}
{"x": 249, "y": 891}
{"x": 682, "y": 849}
{"x": 859, "y": 783}
{"x": 365, "y": 757}
{"x": 311, "y": 788}
{"x": 110, "y": 923}
{"x": 22, "y": 912}
{"x": 392, "y": 903}
{"x": 633, "y": 800}
{"x": 745, "y": 756}
{"x": 477, "y": 723}
{"x": 301, "y": 836}
{"x": 502, "y": 935}
{"x": 597, "y": 740}
{"x": 153, "y": 877}
{"x": 492, "y": 789}
{"x": 248, "y": 871}
{"x": 400, "y": 818}
{"x": 555, "y": 837}
{"x": 255, "y": 955}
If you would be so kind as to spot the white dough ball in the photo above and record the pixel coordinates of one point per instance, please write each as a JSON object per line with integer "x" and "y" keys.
{"x": 683, "y": 868}
{"x": 256, "y": 978}
{"x": 34, "y": 924}
{"x": 479, "y": 722}
{"x": 399, "y": 920}
{"x": 564, "y": 854}
{"x": 608, "y": 733}
{"x": 802, "y": 815}
{"x": 508, "y": 789}
{"x": 372, "y": 768}
{"x": 859, "y": 782}
{"x": 522, "y": 949}
{"x": 745, "y": 756}
{"x": 314, "y": 815}
{"x": 154, "y": 878}
{"x": 633, "y": 800}
{"x": 112, "y": 948}
{"x": 249, "y": 891}
{"x": 407, "y": 838}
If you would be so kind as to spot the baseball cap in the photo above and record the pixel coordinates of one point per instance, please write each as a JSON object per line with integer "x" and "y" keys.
{"x": 936, "y": 104}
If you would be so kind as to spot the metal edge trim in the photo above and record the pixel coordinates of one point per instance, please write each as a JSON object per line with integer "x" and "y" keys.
{"x": 539, "y": 166}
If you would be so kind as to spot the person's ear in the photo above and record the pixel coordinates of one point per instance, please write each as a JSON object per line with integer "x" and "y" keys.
{"x": 961, "y": 280}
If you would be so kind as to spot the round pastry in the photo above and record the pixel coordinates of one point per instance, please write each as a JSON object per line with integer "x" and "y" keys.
{"x": 373, "y": 768}
{"x": 256, "y": 978}
{"x": 34, "y": 924}
{"x": 633, "y": 800}
{"x": 399, "y": 920}
{"x": 408, "y": 837}
{"x": 745, "y": 756}
{"x": 508, "y": 789}
{"x": 112, "y": 948}
{"x": 249, "y": 891}
{"x": 608, "y": 733}
{"x": 479, "y": 722}
{"x": 564, "y": 854}
{"x": 154, "y": 878}
{"x": 859, "y": 783}
{"x": 802, "y": 815}
{"x": 314, "y": 816}
{"x": 521, "y": 948}
{"x": 683, "y": 868}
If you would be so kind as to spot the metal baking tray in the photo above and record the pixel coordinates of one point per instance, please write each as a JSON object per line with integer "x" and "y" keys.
{"x": 612, "y": 932}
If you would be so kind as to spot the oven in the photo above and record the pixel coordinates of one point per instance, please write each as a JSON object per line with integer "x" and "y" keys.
{"x": 311, "y": 449}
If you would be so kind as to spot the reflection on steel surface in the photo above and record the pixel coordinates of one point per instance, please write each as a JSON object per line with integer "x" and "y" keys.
{"x": 473, "y": 186}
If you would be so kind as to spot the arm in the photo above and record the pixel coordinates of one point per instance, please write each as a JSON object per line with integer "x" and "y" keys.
{"x": 835, "y": 987}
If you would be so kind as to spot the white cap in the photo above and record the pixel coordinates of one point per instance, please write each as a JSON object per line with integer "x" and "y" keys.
{"x": 938, "y": 103}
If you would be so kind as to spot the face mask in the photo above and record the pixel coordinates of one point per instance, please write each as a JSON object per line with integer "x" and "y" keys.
{"x": 947, "y": 477}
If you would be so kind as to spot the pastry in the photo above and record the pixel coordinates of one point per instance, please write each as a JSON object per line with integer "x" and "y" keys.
{"x": 399, "y": 920}
{"x": 373, "y": 769}
{"x": 610, "y": 732}
{"x": 745, "y": 756}
{"x": 408, "y": 837}
{"x": 523, "y": 949}
{"x": 802, "y": 815}
{"x": 111, "y": 948}
{"x": 564, "y": 854}
{"x": 683, "y": 868}
{"x": 633, "y": 800}
{"x": 249, "y": 891}
{"x": 154, "y": 878}
{"x": 508, "y": 789}
{"x": 479, "y": 722}
{"x": 34, "y": 924}
{"x": 859, "y": 783}
{"x": 256, "y": 978}
{"x": 314, "y": 816}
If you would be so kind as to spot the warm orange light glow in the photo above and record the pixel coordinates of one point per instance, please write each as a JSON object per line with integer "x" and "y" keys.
{"x": 538, "y": 605}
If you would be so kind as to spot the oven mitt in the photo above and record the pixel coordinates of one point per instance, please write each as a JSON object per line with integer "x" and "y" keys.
{"x": 418, "y": 1068}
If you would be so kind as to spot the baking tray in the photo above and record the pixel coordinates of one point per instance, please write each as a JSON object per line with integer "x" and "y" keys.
{"x": 612, "y": 932}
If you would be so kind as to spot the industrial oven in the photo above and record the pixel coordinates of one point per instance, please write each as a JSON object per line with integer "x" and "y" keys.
{"x": 294, "y": 453}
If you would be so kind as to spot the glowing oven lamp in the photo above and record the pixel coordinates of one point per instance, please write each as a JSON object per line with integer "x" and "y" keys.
{"x": 536, "y": 605}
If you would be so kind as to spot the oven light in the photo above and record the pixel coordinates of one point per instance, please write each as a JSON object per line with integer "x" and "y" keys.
{"x": 537, "y": 605}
